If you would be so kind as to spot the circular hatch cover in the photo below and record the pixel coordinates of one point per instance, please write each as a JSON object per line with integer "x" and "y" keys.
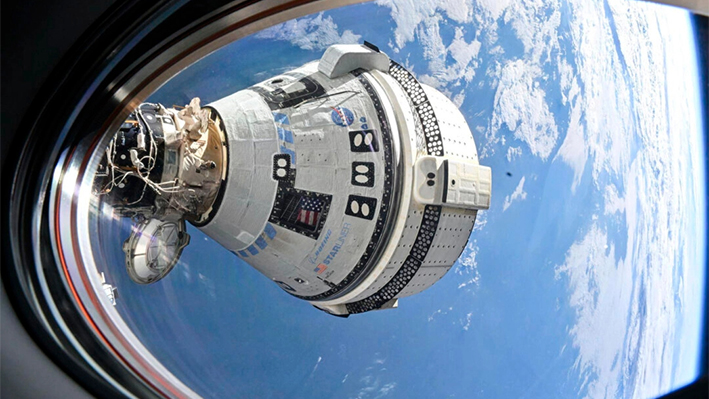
{"x": 153, "y": 249}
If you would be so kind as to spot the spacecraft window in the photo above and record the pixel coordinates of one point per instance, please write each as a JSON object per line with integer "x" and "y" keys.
{"x": 497, "y": 200}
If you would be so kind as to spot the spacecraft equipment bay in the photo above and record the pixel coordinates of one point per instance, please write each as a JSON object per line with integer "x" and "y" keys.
{"x": 345, "y": 181}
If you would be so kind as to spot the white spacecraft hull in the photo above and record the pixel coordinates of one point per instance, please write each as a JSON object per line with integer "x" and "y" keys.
{"x": 347, "y": 146}
{"x": 345, "y": 181}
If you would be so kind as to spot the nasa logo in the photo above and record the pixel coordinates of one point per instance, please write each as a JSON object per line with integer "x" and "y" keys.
{"x": 342, "y": 116}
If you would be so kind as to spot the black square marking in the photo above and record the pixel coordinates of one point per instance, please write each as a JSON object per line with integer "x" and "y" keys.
{"x": 363, "y": 174}
{"x": 364, "y": 141}
{"x": 361, "y": 207}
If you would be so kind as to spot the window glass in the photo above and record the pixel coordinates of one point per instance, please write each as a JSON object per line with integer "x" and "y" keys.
{"x": 583, "y": 278}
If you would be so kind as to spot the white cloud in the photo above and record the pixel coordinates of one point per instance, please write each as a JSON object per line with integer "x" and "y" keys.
{"x": 600, "y": 116}
{"x": 373, "y": 383}
{"x": 467, "y": 266}
{"x": 493, "y": 8}
{"x": 384, "y": 391}
{"x": 627, "y": 309}
{"x": 433, "y": 315}
{"x": 208, "y": 285}
{"x": 451, "y": 66}
{"x": 462, "y": 51}
{"x": 468, "y": 319}
{"x": 448, "y": 65}
{"x": 480, "y": 221}
{"x": 458, "y": 99}
{"x": 464, "y": 55}
{"x": 625, "y": 326}
{"x": 574, "y": 149}
{"x": 613, "y": 203}
{"x": 409, "y": 14}
{"x": 566, "y": 80}
{"x": 316, "y": 366}
{"x": 520, "y": 105}
{"x": 513, "y": 153}
{"x": 518, "y": 195}
{"x": 373, "y": 386}
{"x": 536, "y": 25}
{"x": 599, "y": 288}
{"x": 310, "y": 33}
{"x": 611, "y": 85}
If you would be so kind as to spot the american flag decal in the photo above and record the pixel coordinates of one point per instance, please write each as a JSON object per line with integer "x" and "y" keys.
{"x": 309, "y": 210}
{"x": 299, "y": 210}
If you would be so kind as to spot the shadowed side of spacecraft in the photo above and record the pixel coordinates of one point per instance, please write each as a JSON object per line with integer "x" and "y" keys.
{"x": 345, "y": 181}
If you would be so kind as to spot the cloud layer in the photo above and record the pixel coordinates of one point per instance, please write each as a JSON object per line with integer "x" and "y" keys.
{"x": 310, "y": 33}
{"x": 628, "y": 305}
{"x": 518, "y": 195}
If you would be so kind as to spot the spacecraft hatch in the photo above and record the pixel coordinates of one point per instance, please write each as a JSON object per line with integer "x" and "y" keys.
{"x": 345, "y": 181}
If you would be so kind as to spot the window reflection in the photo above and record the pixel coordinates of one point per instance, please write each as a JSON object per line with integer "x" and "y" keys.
{"x": 583, "y": 279}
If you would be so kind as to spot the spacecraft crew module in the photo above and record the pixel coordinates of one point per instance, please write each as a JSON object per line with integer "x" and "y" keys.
{"x": 345, "y": 181}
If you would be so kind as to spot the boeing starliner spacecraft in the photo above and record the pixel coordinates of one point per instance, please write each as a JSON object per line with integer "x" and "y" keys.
{"x": 345, "y": 181}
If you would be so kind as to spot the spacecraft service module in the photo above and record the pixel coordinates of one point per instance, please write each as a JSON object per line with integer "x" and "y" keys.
{"x": 345, "y": 181}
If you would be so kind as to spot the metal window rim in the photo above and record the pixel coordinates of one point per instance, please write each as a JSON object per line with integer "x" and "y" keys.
{"x": 113, "y": 67}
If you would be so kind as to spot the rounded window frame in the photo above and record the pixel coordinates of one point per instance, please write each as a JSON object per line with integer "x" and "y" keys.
{"x": 128, "y": 53}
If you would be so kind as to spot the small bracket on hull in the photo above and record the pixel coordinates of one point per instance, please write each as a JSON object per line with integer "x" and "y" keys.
{"x": 335, "y": 310}
{"x": 341, "y": 310}
{"x": 342, "y": 59}
{"x": 452, "y": 182}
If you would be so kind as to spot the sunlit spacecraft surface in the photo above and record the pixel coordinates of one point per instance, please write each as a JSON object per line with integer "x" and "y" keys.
{"x": 345, "y": 181}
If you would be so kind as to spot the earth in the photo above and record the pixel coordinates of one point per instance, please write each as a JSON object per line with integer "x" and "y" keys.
{"x": 583, "y": 279}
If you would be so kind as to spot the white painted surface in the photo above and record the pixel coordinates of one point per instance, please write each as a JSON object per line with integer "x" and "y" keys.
{"x": 250, "y": 189}
{"x": 341, "y": 59}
